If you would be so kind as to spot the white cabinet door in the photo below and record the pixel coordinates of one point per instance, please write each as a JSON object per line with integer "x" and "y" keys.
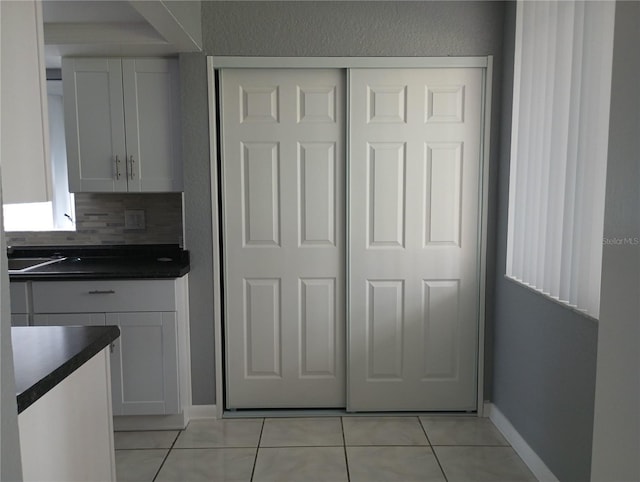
{"x": 414, "y": 212}
{"x": 94, "y": 125}
{"x": 144, "y": 367}
{"x": 26, "y": 168}
{"x": 122, "y": 121}
{"x": 283, "y": 143}
{"x": 152, "y": 122}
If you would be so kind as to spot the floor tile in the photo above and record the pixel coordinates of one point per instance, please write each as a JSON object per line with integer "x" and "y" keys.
{"x": 393, "y": 464}
{"x": 220, "y": 433}
{"x": 383, "y": 431}
{"x": 462, "y": 431}
{"x": 156, "y": 439}
{"x": 482, "y": 464}
{"x": 297, "y": 464}
{"x": 288, "y": 432}
{"x": 212, "y": 465}
{"x": 138, "y": 465}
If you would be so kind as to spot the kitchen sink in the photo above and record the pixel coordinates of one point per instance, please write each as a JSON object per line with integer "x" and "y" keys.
{"x": 20, "y": 265}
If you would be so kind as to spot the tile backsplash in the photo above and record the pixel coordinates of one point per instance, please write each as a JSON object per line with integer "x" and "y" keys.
{"x": 100, "y": 220}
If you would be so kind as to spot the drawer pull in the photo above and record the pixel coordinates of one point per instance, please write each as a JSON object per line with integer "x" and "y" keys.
{"x": 102, "y": 292}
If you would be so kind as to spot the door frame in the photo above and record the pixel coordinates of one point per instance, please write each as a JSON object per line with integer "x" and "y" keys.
{"x": 216, "y": 62}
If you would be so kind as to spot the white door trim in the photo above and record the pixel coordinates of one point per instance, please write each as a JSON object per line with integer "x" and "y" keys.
{"x": 483, "y": 216}
{"x": 216, "y": 62}
{"x": 215, "y": 227}
{"x": 348, "y": 62}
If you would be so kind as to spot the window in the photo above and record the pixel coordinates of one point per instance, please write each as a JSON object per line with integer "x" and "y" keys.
{"x": 562, "y": 89}
{"x": 57, "y": 214}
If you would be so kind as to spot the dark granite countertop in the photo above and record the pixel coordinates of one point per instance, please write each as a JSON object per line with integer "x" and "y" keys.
{"x": 103, "y": 262}
{"x": 43, "y": 356}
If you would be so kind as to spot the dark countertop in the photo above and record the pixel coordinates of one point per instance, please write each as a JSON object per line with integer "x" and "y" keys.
{"x": 43, "y": 356}
{"x": 103, "y": 262}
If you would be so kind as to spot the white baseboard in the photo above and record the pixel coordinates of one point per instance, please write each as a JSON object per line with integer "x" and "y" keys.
{"x": 199, "y": 412}
{"x": 150, "y": 422}
{"x": 519, "y": 444}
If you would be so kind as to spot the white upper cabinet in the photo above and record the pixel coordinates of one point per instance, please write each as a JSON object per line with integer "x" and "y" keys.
{"x": 26, "y": 173}
{"x": 122, "y": 121}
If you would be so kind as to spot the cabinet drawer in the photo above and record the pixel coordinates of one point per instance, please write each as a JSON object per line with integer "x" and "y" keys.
{"x": 69, "y": 319}
{"x": 103, "y": 296}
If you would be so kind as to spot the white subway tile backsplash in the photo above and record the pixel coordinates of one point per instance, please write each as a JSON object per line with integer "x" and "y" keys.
{"x": 100, "y": 221}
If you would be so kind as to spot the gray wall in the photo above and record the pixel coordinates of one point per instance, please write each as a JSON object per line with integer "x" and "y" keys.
{"x": 197, "y": 223}
{"x": 544, "y": 354}
{"x": 316, "y": 29}
{"x": 616, "y": 432}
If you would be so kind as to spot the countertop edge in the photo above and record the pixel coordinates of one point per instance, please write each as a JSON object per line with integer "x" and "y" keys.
{"x": 40, "y": 388}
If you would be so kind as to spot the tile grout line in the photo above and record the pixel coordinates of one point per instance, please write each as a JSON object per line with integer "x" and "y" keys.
{"x": 167, "y": 455}
{"x": 433, "y": 451}
{"x": 344, "y": 446}
{"x": 255, "y": 457}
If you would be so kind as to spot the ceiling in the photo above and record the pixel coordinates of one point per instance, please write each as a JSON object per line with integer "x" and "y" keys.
{"x": 116, "y": 28}
{"x": 98, "y": 11}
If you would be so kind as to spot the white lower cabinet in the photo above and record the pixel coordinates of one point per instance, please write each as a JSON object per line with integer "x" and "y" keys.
{"x": 148, "y": 360}
{"x": 144, "y": 364}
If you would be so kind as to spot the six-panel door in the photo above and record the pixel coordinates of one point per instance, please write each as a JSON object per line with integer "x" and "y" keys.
{"x": 414, "y": 208}
{"x": 413, "y": 238}
{"x": 283, "y": 143}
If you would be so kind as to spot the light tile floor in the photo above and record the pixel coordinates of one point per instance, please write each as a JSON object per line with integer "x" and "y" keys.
{"x": 331, "y": 449}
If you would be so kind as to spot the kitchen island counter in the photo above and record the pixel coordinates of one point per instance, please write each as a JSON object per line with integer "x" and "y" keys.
{"x": 43, "y": 356}
{"x": 63, "y": 386}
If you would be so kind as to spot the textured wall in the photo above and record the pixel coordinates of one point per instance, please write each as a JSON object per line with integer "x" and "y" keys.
{"x": 100, "y": 220}
{"x": 319, "y": 29}
{"x": 351, "y": 28}
{"x": 616, "y": 433}
{"x": 545, "y": 354}
{"x": 197, "y": 221}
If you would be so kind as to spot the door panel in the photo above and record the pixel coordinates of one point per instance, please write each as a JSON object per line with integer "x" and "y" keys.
{"x": 414, "y": 227}
{"x": 283, "y": 173}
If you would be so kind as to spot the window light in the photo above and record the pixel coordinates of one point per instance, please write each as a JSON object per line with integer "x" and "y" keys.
{"x": 562, "y": 89}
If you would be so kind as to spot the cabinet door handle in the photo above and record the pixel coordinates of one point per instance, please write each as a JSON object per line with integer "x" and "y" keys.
{"x": 117, "y": 168}
{"x": 131, "y": 170}
{"x": 102, "y": 292}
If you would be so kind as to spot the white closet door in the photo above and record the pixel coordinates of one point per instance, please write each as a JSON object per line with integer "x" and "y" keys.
{"x": 414, "y": 228}
{"x": 283, "y": 170}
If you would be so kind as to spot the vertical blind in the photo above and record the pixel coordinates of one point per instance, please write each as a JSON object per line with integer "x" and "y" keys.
{"x": 562, "y": 89}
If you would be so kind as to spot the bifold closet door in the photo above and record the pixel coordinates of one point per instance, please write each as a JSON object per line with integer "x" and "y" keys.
{"x": 283, "y": 150}
{"x": 414, "y": 207}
